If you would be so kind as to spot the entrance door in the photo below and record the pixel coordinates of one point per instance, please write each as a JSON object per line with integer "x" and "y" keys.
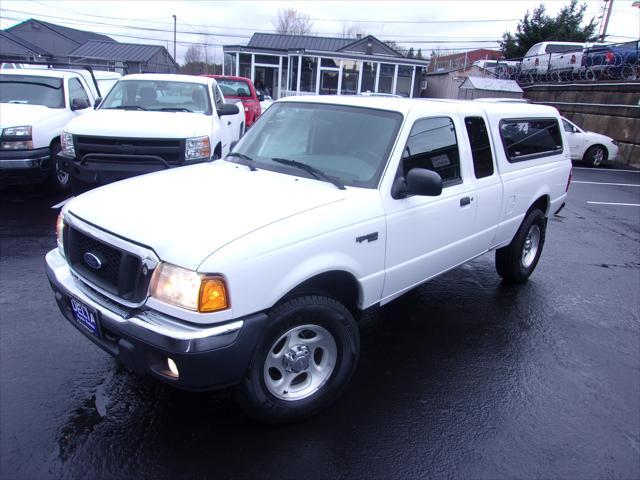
{"x": 267, "y": 77}
{"x": 329, "y": 81}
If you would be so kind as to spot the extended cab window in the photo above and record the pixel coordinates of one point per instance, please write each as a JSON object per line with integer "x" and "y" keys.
{"x": 432, "y": 144}
{"x": 530, "y": 138}
{"x": 480, "y": 147}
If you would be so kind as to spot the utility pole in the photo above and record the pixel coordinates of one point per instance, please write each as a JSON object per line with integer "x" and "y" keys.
{"x": 608, "y": 6}
{"x": 174, "y": 38}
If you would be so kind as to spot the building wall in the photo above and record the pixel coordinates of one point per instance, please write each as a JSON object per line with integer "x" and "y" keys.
{"x": 446, "y": 85}
{"x": 610, "y": 109}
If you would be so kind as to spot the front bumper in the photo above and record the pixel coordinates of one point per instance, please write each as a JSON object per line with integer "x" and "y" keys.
{"x": 24, "y": 166}
{"x": 208, "y": 357}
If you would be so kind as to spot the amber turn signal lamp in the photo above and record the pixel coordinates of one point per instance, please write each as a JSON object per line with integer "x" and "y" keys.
{"x": 213, "y": 295}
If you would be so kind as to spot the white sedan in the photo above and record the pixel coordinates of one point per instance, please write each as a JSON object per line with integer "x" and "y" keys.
{"x": 591, "y": 148}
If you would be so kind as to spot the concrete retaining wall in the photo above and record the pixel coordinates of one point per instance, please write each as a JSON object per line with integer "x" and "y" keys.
{"x": 612, "y": 109}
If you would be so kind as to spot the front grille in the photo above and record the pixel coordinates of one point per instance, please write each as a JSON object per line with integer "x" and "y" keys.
{"x": 120, "y": 273}
{"x": 132, "y": 150}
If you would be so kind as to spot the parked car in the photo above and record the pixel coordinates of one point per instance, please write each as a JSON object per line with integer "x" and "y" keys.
{"x": 252, "y": 271}
{"x": 149, "y": 122}
{"x": 591, "y": 148}
{"x": 500, "y": 68}
{"x": 242, "y": 89}
{"x": 558, "y": 57}
{"x": 35, "y": 105}
{"x": 613, "y": 61}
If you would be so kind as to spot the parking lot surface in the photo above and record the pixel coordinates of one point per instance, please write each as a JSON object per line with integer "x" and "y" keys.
{"x": 464, "y": 377}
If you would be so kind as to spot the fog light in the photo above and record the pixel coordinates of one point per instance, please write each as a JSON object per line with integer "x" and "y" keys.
{"x": 173, "y": 368}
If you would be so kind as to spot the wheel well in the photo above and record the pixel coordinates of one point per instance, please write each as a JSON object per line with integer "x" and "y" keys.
{"x": 218, "y": 150}
{"x": 56, "y": 140}
{"x": 542, "y": 204}
{"x": 339, "y": 285}
{"x": 606, "y": 150}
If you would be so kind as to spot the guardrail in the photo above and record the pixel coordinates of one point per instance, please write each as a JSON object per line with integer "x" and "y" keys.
{"x": 620, "y": 62}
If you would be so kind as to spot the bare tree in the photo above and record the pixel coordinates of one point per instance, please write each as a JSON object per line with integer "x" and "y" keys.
{"x": 292, "y": 22}
{"x": 352, "y": 30}
{"x": 193, "y": 54}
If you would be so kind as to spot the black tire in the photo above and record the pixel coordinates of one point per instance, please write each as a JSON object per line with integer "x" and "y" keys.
{"x": 312, "y": 310}
{"x": 510, "y": 260}
{"x": 59, "y": 180}
{"x": 595, "y": 156}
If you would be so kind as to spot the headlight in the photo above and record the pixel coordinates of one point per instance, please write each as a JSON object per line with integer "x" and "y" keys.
{"x": 187, "y": 289}
{"x": 66, "y": 142}
{"x": 24, "y": 131}
{"x": 60, "y": 232}
{"x": 197, "y": 148}
{"x": 20, "y": 145}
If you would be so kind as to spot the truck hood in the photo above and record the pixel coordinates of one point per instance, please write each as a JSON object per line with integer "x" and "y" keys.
{"x": 140, "y": 124}
{"x": 188, "y": 213}
{"x": 18, "y": 114}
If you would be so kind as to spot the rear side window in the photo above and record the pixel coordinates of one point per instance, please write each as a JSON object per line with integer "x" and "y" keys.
{"x": 526, "y": 139}
{"x": 480, "y": 147}
{"x": 562, "y": 48}
{"x": 77, "y": 91}
{"x": 432, "y": 144}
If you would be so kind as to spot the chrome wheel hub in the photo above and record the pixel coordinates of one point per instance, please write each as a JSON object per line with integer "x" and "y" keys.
{"x": 300, "y": 362}
{"x": 531, "y": 245}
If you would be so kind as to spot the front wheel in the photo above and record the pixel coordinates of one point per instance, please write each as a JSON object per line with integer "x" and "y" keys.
{"x": 303, "y": 361}
{"x": 517, "y": 261}
{"x": 595, "y": 156}
{"x": 59, "y": 179}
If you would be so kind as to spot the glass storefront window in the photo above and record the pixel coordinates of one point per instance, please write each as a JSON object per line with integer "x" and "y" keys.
{"x": 368, "y": 77}
{"x": 268, "y": 59}
{"x": 385, "y": 82}
{"x": 284, "y": 75}
{"x": 350, "y": 72}
{"x": 308, "y": 74}
{"x": 328, "y": 82}
{"x": 245, "y": 65}
{"x": 230, "y": 64}
{"x": 331, "y": 62}
{"x": 403, "y": 84}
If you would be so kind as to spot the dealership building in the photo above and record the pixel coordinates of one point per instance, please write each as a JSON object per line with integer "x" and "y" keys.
{"x": 309, "y": 65}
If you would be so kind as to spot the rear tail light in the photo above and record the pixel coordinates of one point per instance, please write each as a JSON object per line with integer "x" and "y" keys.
{"x": 568, "y": 181}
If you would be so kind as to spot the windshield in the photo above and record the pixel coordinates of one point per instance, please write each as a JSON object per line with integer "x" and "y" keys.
{"x": 350, "y": 144}
{"x": 32, "y": 90}
{"x": 158, "y": 96}
{"x": 234, "y": 88}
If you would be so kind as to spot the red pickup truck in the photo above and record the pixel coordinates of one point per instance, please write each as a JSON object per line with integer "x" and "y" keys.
{"x": 241, "y": 88}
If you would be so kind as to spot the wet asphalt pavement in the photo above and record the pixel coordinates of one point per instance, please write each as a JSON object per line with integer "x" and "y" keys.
{"x": 463, "y": 377}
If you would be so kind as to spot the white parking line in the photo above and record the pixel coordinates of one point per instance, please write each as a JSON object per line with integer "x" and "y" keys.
{"x": 617, "y": 204}
{"x": 605, "y": 183}
{"x": 61, "y": 204}
{"x": 605, "y": 169}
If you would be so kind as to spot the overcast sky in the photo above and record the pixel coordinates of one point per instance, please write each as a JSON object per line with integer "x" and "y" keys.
{"x": 421, "y": 24}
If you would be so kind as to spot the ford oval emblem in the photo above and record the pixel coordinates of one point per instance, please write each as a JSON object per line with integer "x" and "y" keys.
{"x": 92, "y": 260}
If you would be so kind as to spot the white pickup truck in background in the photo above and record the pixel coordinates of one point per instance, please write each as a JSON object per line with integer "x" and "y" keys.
{"x": 35, "y": 105}
{"x": 251, "y": 271}
{"x": 553, "y": 58}
{"x": 150, "y": 122}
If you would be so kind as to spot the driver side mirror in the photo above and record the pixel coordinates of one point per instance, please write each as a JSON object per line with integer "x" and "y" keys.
{"x": 419, "y": 181}
{"x": 227, "y": 109}
{"x": 79, "y": 104}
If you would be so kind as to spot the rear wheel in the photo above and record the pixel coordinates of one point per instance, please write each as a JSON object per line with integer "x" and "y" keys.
{"x": 303, "y": 361}
{"x": 517, "y": 261}
{"x": 595, "y": 156}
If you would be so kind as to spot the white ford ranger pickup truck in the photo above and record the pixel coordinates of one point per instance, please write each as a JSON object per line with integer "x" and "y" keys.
{"x": 149, "y": 122}
{"x": 252, "y": 270}
{"x": 35, "y": 105}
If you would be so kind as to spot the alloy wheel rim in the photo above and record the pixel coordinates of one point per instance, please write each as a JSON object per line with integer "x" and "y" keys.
{"x": 598, "y": 157}
{"x": 531, "y": 245}
{"x": 300, "y": 362}
{"x": 61, "y": 175}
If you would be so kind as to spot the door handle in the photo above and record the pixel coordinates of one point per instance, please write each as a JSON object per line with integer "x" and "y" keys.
{"x": 464, "y": 201}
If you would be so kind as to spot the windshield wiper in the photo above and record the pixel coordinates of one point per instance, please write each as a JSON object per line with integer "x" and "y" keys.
{"x": 175, "y": 109}
{"x": 248, "y": 161}
{"x": 319, "y": 174}
{"x": 126, "y": 107}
